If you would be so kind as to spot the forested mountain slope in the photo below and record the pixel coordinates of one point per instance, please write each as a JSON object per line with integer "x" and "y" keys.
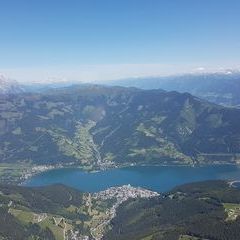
{"x": 197, "y": 211}
{"x": 204, "y": 210}
{"x": 100, "y": 127}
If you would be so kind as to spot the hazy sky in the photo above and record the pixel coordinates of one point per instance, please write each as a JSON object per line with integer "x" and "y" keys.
{"x": 105, "y": 39}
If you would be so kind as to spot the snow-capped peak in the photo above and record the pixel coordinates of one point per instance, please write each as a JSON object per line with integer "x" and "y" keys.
{"x": 9, "y": 86}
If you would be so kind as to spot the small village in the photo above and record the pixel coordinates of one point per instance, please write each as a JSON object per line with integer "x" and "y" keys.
{"x": 125, "y": 192}
{"x": 120, "y": 195}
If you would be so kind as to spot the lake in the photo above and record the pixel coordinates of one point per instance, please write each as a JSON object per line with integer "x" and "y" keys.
{"x": 154, "y": 178}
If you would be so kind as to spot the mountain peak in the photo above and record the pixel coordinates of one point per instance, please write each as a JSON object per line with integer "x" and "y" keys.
{"x": 9, "y": 86}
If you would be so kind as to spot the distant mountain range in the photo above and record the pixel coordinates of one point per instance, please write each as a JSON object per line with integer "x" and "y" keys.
{"x": 221, "y": 87}
{"x": 100, "y": 127}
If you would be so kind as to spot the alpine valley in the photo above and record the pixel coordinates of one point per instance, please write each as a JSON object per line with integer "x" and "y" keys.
{"x": 97, "y": 127}
{"x": 120, "y": 120}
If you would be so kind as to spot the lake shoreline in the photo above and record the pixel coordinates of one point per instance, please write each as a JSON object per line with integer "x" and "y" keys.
{"x": 38, "y": 169}
{"x": 157, "y": 178}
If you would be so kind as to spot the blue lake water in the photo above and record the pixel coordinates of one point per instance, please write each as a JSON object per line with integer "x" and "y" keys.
{"x": 155, "y": 178}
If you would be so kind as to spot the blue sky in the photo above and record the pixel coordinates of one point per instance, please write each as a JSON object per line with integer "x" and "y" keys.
{"x": 104, "y": 39}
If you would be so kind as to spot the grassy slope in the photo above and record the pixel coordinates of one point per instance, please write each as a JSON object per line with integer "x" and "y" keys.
{"x": 36, "y": 208}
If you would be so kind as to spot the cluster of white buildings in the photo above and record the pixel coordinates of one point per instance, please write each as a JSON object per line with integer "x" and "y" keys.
{"x": 75, "y": 235}
{"x": 125, "y": 192}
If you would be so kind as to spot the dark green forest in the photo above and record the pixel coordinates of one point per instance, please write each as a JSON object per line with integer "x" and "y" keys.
{"x": 192, "y": 211}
